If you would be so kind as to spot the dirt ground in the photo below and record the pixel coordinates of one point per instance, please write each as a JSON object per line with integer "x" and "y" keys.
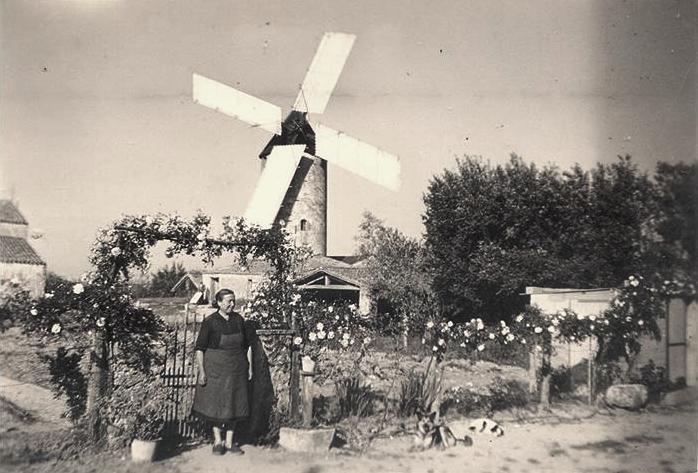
{"x": 653, "y": 440}
{"x": 661, "y": 441}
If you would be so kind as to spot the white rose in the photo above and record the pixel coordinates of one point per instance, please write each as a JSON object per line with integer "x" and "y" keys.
{"x": 592, "y": 317}
{"x": 441, "y": 341}
{"x": 552, "y": 329}
{"x": 450, "y": 324}
{"x": 640, "y": 322}
{"x": 78, "y": 288}
{"x": 330, "y": 335}
{"x": 434, "y": 348}
{"x": 321, "y": 335}
{"x": 480, "y": 347}
{"x": 319, "y": 326}
{"x": 519, "y": 318}
{"x": 116, "y": 251}
{"x": 34, "y": 312}
{"x": 100, "y": 322}
{"x": 466, "y": 334}
{"x": 538, "y": 330}
{"x": 491, "y": 336}
{"x": 510, "y": 337}
{"x": 367, "y": 340}
{"x": 56, "y": 328}
{"x": 345, "y": 336}
{"x": 345, "y": 343}
{"x": 430, "y": 324}
{"x": 523, "y": 341}
{"x": 297, "y": 341}
{"x": 330, "y": 309}
{"x": 312, "y": 336}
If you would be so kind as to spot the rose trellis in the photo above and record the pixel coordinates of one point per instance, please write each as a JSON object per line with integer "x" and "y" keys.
{"x": 97, "y": 315}
{"x": 633, "y": 313}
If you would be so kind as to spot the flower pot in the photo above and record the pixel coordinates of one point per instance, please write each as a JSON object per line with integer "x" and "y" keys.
{"x": 143, "y": 450}
{"x": 307, "y": 364}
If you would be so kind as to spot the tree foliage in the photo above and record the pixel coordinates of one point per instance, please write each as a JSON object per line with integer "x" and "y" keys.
{"x": 397, "y": 273}
{"x": 493, "y": 230}
{"x": 165, "y": 278}
{"x": 677, "y": 216}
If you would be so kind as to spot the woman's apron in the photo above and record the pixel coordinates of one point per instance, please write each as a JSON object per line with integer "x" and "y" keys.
{"x": 224, "y": 397}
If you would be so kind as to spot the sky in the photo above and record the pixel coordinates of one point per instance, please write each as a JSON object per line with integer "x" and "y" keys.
{"x": 97, "y": 119}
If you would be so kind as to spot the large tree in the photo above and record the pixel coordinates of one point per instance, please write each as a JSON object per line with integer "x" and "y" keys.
{"x": 397, "y": 273}
{"x": 493, "y": 230}
{"x": 677, "y": 218}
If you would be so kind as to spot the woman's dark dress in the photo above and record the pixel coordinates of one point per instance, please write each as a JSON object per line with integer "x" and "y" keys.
{"x": 224, "y": 343}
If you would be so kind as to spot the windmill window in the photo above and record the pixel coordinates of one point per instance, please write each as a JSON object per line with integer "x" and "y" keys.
{"x": 304, "y": 225}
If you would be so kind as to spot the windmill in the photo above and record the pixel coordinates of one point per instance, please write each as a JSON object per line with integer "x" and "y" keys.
{"x": 293, "y": 184}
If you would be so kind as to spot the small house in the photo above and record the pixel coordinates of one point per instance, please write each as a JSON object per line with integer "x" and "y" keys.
{"x": 18, "y": 260}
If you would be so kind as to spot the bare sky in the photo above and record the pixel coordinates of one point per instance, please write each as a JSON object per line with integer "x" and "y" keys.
{"x": 96, "y": 116}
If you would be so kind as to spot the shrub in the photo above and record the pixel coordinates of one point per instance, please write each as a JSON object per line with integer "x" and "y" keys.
{"x": 419, "y": 391}
{"x": 410, "y": 394}
{"x": 507, "y": 393}
{"x": 137, "y": 406}
{"x": 354, "y": 398}
{"x": 503, "y": 394}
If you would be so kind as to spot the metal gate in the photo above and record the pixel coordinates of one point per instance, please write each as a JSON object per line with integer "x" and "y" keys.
{"x": 179, "y": 372}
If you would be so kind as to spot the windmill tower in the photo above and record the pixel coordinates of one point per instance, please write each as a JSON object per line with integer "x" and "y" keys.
{"x": 293, "y": 185}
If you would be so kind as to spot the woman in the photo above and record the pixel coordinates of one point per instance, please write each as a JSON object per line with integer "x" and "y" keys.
{"x": 224, "y": 361}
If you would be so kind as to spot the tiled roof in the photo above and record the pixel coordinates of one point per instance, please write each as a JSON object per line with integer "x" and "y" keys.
{"x": 17, "y": 250}
{"x": 9, "y": 213}
{"x": 314, "y": 263}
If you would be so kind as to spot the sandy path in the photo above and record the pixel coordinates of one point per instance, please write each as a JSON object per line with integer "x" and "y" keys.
{"x": 38, "y": 401}
{"x": 654, "y": 442}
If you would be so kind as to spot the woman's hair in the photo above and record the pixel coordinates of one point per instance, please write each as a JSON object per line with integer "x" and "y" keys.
{"x": 221, "y": 294}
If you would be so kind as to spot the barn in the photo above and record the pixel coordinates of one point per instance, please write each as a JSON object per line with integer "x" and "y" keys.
{"x": 321, "y": 278}
{"x": 18, "y": 260}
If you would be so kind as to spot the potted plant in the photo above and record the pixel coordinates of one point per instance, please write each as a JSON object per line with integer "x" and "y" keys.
{"x": 136, "y": 411}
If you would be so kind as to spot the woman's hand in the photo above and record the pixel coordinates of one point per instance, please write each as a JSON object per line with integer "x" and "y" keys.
{"x": 202, "y": 378}
{"x": 249, "y": 375}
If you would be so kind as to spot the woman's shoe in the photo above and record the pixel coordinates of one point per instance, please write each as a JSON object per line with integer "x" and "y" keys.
{"x": 219, "y": 449}
{"x": 235, "y": 450}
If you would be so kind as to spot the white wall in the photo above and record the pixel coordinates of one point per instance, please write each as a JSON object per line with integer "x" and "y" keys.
{"x": 32, "y": 276}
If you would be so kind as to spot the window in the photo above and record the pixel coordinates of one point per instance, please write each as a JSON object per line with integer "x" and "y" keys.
{"x": 304, "y": 225}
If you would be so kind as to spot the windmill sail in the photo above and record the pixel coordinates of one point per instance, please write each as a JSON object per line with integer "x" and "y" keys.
{"x": 358, "y": 157}
{"x": 324, "y": 72}
{"x": 273, "y": 184}
{"x": 236, "y": 104}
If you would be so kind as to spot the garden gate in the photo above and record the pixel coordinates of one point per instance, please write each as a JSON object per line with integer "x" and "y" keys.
{"x": 179, "y": 372}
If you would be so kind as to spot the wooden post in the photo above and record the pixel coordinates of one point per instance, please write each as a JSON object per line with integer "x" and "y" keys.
{"x": 532, "y": 373}
{"x": 294, "y": 395}
{"x": 307, "y": 397}
{"x": 590, "y": 375}
{"x": 96, "y": 385}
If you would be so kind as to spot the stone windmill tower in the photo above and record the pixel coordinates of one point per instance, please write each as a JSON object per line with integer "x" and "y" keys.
{"x": 293, "y": 185}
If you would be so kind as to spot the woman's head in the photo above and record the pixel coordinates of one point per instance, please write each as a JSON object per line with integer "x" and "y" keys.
{"x": 225, "y": 300}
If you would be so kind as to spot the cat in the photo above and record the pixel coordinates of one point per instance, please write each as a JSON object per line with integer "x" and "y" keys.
{"x": 434, "y": 433}
{"x": 486, "y": 426}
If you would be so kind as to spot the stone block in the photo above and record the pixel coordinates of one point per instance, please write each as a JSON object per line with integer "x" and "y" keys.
{"x": 627, "y": 396}
{"x": 306, "y": 440}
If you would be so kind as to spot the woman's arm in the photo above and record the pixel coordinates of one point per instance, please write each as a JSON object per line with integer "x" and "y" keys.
{"x": 201, "y": 372}
{"x": 249, "y": 362}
